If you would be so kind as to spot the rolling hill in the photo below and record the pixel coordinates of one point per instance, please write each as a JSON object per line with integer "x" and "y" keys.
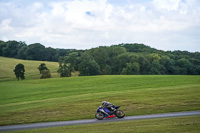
{"x": 31, "y": 72}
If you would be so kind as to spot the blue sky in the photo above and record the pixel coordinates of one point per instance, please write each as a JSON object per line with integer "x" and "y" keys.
{"x": 84, "y": 24}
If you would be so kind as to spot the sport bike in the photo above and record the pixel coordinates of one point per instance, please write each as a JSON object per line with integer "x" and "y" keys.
{"x": 106, "y": 113}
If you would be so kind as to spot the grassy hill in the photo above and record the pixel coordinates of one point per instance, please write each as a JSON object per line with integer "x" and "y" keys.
{"x": 31, "y": 72}
{"x": 58, "y": 99}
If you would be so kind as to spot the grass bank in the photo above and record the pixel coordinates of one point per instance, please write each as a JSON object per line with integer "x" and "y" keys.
{"x": 59, "y": 99}
{"x": 189, "y": 124}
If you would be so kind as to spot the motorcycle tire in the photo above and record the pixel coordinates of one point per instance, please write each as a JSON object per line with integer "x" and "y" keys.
{"x": 99, "y": 115}
{"x": 120, "y": 113}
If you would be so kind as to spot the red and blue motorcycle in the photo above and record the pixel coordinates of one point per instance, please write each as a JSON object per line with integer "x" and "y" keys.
{"x": 106, "y": 113}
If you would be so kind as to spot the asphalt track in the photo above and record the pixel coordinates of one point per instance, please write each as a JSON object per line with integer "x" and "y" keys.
{"x": 91, "y": 121}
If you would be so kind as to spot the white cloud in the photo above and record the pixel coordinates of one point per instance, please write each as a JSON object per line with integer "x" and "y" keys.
{"x": 5, "y": 26}
{"x": 90, "y": 23}
{"x": 167, "y": 4}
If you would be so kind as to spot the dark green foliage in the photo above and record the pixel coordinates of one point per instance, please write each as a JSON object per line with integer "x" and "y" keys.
{"x": 106, "y": 70}
{"x": 144, "y": 63}
{"x": 34, "y": 51}
{"x": 42, "y": 66}
{"x": 65, "y": 67}
{"x": 131, "y": 69}
{"x": 21, "y": 54}
{"x": 138, "y": 48}
{"x": 74, "y": 58}
{"x": 52, "y": 54}
{"x": 88, "y": 66}
{"x": 19, "y": 71}
{"x": 11, "y": 48}
{"x": 44, "y": 71}
{"x": 45, "y": 74}
{"x": 132, "y": 59}
{"x": 106, "y": 58}
{"x": 2, "y": 45}
{"x": 116, "y": 59}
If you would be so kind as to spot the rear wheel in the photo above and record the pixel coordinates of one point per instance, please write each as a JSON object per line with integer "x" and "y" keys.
{"x": 99, "y": 115}
{"x": 120, "y": 113}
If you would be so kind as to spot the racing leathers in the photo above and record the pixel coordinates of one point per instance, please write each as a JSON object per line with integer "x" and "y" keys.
{"x": 109, "y": 106}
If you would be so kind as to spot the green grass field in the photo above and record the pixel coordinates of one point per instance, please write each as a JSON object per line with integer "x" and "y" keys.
{"x": 189, "y": 124}
{"x": 31, "y": 72}
{"x": 59, "y": 99}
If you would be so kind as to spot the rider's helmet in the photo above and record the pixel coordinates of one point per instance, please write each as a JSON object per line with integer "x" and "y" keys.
{"x": 104, "y": 103}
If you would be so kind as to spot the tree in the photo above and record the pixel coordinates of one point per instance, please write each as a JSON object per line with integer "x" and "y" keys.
{"x": 45, "y": 74}
{"x": 184, "y": 66}
{"x": 88, "y": 66}
{"x": 52, "y": 53}
{"x": 102, "y": 58}
{"x": 11, "y": 48}
{"x": 155, "y": 63}
{"x": 74, "y": 58}
{"x": 21, "y": 54}
{"x": 114, "y": 52}
{"x": 36, "y": 52}
{"x": 138, "y": 48}
{"x": 131, "y": 69}
{"x": 122, "y": 60}
{"x": 144, "y": 64}
{"x": 155, "y": 67}
{"x": 65, "y": 67}
{"x": 106, "y": 70}
{"x": 19, "y": 71}
{"x": 44, "y": 71}
{"x": 167, "y": 65}
{"x": 2, "y": 45}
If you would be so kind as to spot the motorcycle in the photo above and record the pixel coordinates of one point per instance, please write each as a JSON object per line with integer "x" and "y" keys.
{"x": 106, "y": 113}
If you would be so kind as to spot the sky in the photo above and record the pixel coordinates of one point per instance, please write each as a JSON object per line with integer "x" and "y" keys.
{"x": 84, "y": 24}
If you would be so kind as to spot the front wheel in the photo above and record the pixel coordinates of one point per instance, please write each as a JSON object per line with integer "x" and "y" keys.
{"x": 120, "y": 113}
{"x": 99, "y": 115}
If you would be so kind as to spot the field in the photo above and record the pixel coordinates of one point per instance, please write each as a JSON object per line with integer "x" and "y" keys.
{"x": 31, "y": 72}
{"x": 58, "y": 99}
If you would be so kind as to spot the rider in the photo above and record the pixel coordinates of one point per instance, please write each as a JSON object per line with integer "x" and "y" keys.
{"x": 109, "y": 106}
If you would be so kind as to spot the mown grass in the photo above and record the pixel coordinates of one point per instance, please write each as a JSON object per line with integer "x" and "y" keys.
{"x": 31, "y": 68}
{"x": 59, "y": 99}
{"x": 190, "y": 124}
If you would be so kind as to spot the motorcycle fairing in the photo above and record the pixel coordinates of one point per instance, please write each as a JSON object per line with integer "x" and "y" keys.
{"x": 106, "y": 111}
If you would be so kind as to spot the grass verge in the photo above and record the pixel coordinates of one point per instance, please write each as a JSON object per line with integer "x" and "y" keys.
{"x": 189, "y": 124}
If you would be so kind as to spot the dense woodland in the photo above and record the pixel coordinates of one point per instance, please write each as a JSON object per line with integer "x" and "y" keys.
{"x": 124, "y": 59}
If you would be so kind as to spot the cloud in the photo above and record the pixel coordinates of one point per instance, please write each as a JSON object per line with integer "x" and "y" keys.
{"x": 5, "y": 26}
{"x": 90, "y": 23}
{"x": 167, "y": 4}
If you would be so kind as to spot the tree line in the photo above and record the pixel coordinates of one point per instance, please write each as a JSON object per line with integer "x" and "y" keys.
{"x": 130, "y": 59}
{"x": 122, "y": 59}
{"x": 36, "y": 51}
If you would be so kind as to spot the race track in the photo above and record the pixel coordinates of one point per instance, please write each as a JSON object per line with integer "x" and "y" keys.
{"x": 91, "y": 121}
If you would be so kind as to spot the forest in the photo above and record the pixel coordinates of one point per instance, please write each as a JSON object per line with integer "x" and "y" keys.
{"x": 121, "y": 59}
